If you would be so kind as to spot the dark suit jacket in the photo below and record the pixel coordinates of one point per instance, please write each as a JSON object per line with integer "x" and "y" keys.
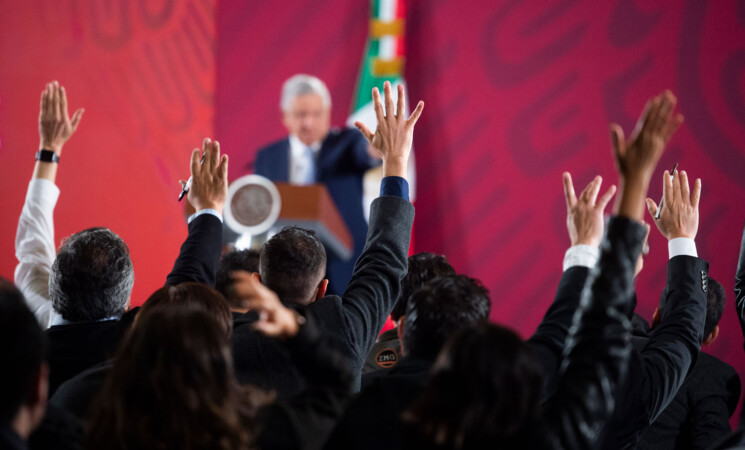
{"x": 699, "y": 414}
{"x": 658, "y": 370}
{"x": 353, "y": 321}
{"x": 342, "y": 162}
{"x": 75, "y": 347}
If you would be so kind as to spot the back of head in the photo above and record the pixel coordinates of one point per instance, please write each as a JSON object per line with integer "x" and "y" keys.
{"x": 172, "y": 386}
{"x": 23, "y": 341}
{"x": 422, "y": 267}
{"x": 438, "y": 309}
{"x": 92, "y": 276}
{"x": 191, "y": 295}
{"x": 302, "y": 84}
{"x": 247, "y": 260}
{"x": 292, "y": 264}
{"x": 484, "y": 392}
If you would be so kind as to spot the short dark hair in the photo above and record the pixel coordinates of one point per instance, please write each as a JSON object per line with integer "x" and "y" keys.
{"x": 422, "y": 267}
{"x": 92, "y": 276}
{"x": 484, "y": 390}
{"x": 715, "y": 300}
{"x": 292, "y": 263}
{"x": 438, "y": 309}
{"x": 194, "y": 295}
{"x": 247, "y": 260}
{"x": 24, "y": 351}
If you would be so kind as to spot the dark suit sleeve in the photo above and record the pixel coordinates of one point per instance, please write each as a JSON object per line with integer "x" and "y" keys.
{"x": 674, "y": 343}
{"x": 548, "y": 340}
{"x": 711, "y": 410}
{"x": 200, "y": 252}
{"x": 376, "y": 281}
{"x": 597, "y": 348}
{"x": 740, "y": 288}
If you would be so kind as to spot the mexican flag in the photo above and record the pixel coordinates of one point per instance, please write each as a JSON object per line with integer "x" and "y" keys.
{"x": 383, "y": 60}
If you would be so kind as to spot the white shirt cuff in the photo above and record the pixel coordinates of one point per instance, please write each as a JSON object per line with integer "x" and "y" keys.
{"x": 682, "y": 246}
{"x": 581, "y": 255}
{"x": 205, "y": 211}
{"x": 41, "y": 190}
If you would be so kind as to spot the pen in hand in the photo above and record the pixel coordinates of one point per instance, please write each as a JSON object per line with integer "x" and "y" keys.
{"x": 186, "y": 187}
{"x": 662, "y": 200}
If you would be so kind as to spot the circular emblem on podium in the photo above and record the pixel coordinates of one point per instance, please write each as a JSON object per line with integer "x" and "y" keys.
{"x": 253, "y": 205}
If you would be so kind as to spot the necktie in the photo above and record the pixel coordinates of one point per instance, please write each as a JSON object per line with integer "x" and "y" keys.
{"x": 310, "y": 166}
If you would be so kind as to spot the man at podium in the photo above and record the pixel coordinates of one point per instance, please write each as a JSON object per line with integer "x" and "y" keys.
{"x": 314, "y": 153}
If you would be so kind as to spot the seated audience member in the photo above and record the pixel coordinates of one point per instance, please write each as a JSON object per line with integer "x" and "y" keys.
{"x": 172, "y": 383}
{"x": 485, "y": 388}
{"x": 82, "y": 292}
{"x": 76, "y": 394}
{"x": 292, "y": 264}
{"x": 24, "y": 376}
{"x": 699, "y": 414}
{"x": 387, "y": 349}
{"x": 435, "y": 311}
{"x": 246, "y": 260}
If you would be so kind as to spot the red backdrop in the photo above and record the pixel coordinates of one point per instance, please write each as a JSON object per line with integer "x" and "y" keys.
{"x": 516, "y": 93}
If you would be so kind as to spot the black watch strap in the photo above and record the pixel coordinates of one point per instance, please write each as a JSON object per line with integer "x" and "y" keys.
{"x": 47, "y": 156}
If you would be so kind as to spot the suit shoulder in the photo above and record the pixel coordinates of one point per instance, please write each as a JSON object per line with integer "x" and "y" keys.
{"x": 281, "y": 143}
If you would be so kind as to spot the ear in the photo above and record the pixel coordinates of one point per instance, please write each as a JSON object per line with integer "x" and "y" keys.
{"x": 656, "y": 317}
{"x": 708, "y": 340}
{"x": 321, "y": 292}
{"x": 400, "y": 332}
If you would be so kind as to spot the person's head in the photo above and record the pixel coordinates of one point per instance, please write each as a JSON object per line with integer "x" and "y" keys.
{"x": 715, "y": 301}
{"x": 172, "y": 385}
{"x": 247, "y": 260}
{"x": 24, "y": 376}
{"x": 422, "y": 267}
{"x": 437, "y": 309}
{"x": 485, "y": 387}
{"x": 306, "y": 108}
{"x": 293, "y": 264}
{"x": 194, "y": 295}
{"x": 92, "y": 276}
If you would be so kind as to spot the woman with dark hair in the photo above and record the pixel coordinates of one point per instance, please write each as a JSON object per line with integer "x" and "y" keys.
{"x": 172, "y": 383}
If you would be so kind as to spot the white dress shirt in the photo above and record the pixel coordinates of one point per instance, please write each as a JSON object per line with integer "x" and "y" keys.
{"x": 587, "y": 255}
{"x": 302, "y": 161}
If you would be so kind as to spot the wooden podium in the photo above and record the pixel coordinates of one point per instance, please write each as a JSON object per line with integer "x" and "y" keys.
{"x": 311, "y": 207}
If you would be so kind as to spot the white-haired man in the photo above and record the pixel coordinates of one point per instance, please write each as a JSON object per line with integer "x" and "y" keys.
{"x": 314, "y": 153}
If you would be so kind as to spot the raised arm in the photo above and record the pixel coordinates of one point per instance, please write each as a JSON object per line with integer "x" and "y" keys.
{"x": 200, "y": 252}
{"x": 597, "y": 349}
{"x": 35, "y": 249}
{"x": 585, "y": 227}
{"x": 740, "y": 288}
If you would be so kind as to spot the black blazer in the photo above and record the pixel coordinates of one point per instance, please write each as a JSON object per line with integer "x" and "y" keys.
{"x": 353, "y": 321}
{"x": 75, "y": 347}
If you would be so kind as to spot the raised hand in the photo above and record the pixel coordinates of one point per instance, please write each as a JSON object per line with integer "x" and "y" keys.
{"x": 394, "y": 134}
{"x": 55, "y": 124}
{"x": 679, "y": 217}
{"x": 637, "y": 157}
{"x": 209, "y": 180}
{"x": 585, "y": 214}
{"x": 275, "y": 320}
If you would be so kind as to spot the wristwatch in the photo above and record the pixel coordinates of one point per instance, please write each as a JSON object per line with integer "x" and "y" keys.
{"x": 45, "y": 155}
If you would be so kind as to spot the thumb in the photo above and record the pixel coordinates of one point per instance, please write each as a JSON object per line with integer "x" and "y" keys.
{"x": 76, "y": 118}
{"x": 617, "y": 140}
{"x": 652, "y": 207}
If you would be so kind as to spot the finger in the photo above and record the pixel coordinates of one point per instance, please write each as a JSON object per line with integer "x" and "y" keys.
{"x": 645, "y": 245}
{"x": 618, "y": 141}
{"x": 415, "y": 115}
{"x": 603, "y": 202}
{"x": 224, "y": 167}
{"x": 652, "y": 207}
{"x": 50, "y": 104}
{"x": 401, "y": 108}
{"x": 43, "y": 103}
{"x": 55, "y": 102}
{"x": 696, "y": 195}
{"x": 667, "y": 105}
{"x": 206, "y": 161}
{"x": 672, "y": 127}
{"x": 182, "y": 183}
{"x": 569, "y": 194}
{"x": 215, "y": 155}
{"x": 76, "y": 117}
{"x": 592, "y": 194}
{"x": 654, "y": 111}
{"x": 369, "y": 135}
{"x": 63, "y": 103}
{"x": 685, "y": 190}
{"x": 389, "y": 111}
{"x": 667, "y": 188}
{"x": 642, "y": 117}
{"x": 195, "y": 166}
{"x": 677, "y": 196}
{"x": 378, "y": 106}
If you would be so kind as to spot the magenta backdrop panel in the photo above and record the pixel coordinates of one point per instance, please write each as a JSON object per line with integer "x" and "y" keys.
{"x": 516, "y": 93}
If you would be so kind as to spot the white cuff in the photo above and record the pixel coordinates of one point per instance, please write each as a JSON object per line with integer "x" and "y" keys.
{"x": 581, "y": 255}
{"x": 205, "y": 211}
{"x": 682, "y": 246}
{"x": 43, "y": 191}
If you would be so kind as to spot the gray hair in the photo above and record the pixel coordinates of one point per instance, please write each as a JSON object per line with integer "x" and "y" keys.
{"x": 302, "y": 84}
{"x": 92, "y": 276}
